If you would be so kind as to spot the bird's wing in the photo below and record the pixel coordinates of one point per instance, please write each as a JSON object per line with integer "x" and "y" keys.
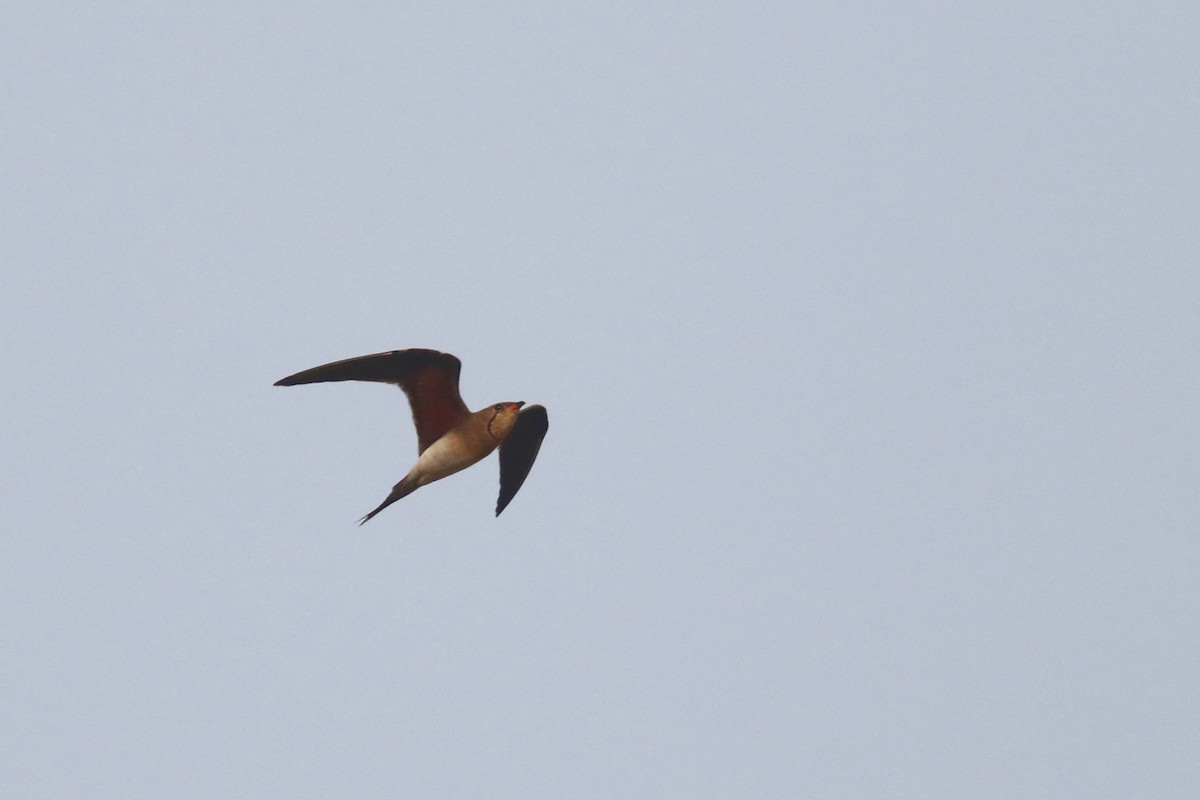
{"x": 428, "y": 378}
{"x": 518, "y": 452}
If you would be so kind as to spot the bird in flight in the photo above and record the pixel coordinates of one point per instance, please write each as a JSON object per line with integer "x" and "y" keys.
{"x": 449, "y": 437}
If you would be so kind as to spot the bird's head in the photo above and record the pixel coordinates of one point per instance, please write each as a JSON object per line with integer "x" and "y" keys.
{"x": 501, "y": 417}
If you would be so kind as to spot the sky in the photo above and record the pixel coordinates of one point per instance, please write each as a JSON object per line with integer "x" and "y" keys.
{"x": 867, "y": 334}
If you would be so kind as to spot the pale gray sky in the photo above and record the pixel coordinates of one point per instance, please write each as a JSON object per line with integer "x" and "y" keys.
{"x": 868, "y": 335}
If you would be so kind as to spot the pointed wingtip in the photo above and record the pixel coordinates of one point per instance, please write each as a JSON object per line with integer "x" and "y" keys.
{"x": 519, "y": 451}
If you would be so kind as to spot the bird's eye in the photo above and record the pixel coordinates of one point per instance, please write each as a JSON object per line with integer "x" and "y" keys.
{"x": 498, "y": 407}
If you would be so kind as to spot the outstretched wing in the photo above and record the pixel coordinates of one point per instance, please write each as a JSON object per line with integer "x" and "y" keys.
{"x": 518, "y": 451}
{"x": 428, "y": 378}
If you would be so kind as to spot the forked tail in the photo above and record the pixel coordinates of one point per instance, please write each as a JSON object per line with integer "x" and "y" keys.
{"x": 401, "y": 489}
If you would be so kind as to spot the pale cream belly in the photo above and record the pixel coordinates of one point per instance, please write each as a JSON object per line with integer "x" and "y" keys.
{"x": 444, "y": 457}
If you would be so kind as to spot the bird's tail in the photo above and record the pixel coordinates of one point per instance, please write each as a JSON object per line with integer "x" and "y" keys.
{"x": 401, "y": 489}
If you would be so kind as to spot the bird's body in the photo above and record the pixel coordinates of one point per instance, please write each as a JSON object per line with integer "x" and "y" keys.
{"x": 449, "y": 437}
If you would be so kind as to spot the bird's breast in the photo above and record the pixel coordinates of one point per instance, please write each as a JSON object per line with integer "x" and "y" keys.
{"x": 453, "y": 452}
